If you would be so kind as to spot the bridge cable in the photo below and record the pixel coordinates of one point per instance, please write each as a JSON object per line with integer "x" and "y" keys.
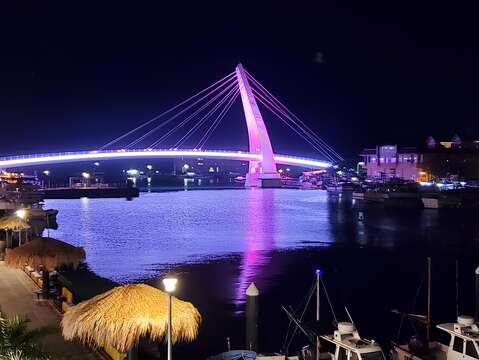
{"x": 320, "y": 150}
{"x": 205, "y": 118}
{"x": 317, "y": 146}
{"x": 274, "y": 99}
{"x": 304, "y": 128}
{"x": 190, "y": 117}
{"x": 215, "y": 124}
{"x": 308, "y": 131}
{"x": 169, "y": 120}
{"x": 166, "y": 112}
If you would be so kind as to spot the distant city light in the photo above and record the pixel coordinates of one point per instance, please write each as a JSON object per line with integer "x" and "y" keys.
{"x": 96, "y": 163}
{"x": 46, "y": 172}
{"x": 425, "y": 183}
{"x": 85, "y": 175}
{"x": 132, "y": 172}
{"x": 149, "y": 167}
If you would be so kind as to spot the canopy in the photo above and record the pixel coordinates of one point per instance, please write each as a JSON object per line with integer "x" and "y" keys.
{"x": 13, "y": 223}
{"x": 47, "y": 252}
{"x": 121, "y": 316}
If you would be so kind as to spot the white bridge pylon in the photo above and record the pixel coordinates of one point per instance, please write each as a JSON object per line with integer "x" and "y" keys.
{"x": 261, "y": 173}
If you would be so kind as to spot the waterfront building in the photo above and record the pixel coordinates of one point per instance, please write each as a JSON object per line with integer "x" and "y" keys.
{"x": 431, "y": 160}
{"x": 391, "y": 161}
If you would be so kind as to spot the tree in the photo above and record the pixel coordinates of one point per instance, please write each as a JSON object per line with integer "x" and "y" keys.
{"x": 17, "y": 342}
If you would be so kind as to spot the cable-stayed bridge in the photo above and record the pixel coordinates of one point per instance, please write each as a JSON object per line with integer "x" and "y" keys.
{"x": 195, "y": 120}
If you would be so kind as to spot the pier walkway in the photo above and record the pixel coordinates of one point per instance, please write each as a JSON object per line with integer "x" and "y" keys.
{"x": 17, "y": 298}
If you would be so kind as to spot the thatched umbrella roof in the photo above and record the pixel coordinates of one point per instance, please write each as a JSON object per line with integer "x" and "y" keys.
{"x": 126, "y": 313}
{"x": 48, "y": 252}
{"x": 13, "y": 223}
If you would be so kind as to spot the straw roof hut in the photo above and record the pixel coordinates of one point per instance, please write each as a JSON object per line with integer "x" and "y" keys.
{"x": 47, "y": 252}
{"x": 121, "y": 316}
{"x": 13, "y": 223}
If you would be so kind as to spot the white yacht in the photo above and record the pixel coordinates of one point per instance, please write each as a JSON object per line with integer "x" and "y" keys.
{"x": 350, "y": 346}
{"x": 463, "y": 344}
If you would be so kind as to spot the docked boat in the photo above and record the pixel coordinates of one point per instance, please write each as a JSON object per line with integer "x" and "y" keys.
{"x": 348, "y": 345}
{"x": 463, "y": 343}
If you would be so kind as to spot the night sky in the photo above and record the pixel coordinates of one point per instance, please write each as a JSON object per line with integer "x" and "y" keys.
{"x": 74, "y": 77}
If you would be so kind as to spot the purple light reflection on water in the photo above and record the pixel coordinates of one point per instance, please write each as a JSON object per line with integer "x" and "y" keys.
{"x": 134, "y": 240}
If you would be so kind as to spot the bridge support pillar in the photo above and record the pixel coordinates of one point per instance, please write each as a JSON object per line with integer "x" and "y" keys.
{"x": 261, "y": 173}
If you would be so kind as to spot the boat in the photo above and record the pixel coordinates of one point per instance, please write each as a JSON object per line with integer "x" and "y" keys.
{"x": 463, "y": 336}
{"x": 463, "y": 343}
{"x": 345, "y": 341}
{"x": 234, "y": 355}
{"x": 350, "y": 346}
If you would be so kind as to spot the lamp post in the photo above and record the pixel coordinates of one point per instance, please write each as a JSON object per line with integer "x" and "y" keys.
{"x": 170, "y": 286}
{"x": 22, "y": 214}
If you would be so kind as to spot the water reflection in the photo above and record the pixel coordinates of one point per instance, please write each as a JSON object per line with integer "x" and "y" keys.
{"x": 259, "y": 239}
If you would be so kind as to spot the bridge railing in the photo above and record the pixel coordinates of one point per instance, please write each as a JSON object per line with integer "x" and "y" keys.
{"x": 90, "y": 152}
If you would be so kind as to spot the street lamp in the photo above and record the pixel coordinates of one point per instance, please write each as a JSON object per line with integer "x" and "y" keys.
{"x": 170, "y": 286}
{"x": 21, "y": 213}
{"x": 46, "y": 174}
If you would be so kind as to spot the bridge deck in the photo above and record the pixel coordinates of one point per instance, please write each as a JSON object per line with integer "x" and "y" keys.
{"x": 67, "y": 157}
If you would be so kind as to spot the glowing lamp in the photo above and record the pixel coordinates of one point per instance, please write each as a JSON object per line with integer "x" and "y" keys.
{"x": 149, "y": 167}
{"x": 318, "y": 272}
{"x": 170, "y": 284}
{"x": 46, "y": 172}
{"x": 85, "y": 175}
{"x": 21, "y": 213}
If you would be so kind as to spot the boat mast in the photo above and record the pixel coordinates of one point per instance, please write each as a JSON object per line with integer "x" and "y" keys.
{"x": 318, "y": 273}
{"x": 428, "y": 330}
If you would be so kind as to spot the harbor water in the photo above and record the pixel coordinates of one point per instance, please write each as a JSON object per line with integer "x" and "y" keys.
{"x": 219, "y": 241}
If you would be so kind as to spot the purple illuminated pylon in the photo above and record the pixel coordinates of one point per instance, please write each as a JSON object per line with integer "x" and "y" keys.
{"x": 261, "y": 173}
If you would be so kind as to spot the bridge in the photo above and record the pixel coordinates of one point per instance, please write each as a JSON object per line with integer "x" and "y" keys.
{"x": 211, "y": 103}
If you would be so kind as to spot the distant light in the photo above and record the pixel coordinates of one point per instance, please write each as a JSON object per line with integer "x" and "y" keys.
{"x": 132, "y": 172}
{"x": 354, "y": 178}
{"x": 96, "y": 163}
{"x": 186, "y": 166}
{"x": 21, "y": 213}
{"x": 288, "y": 169}
{"x": 149, "y": 167}
{"x": 439, "y": 185}
{"x": 425, "y": 183}
{"x": 463, "y": 183}
{"x": 170, "y": 284}
{"x": 423, "y": 173}
{"x": 318, "y": 272}
{"x": 85, "y": 175}
{"x": 280, "y": 171}
{"x": 46, "y": 172}
{"x": 148, "y": 179}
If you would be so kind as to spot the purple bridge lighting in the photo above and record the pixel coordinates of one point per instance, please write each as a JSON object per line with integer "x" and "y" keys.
{"x": 211, "y": 103}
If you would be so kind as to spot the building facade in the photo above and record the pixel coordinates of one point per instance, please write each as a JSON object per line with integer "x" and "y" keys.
{"x": 432, "y": 160}
{"x": 390, "y": 161}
